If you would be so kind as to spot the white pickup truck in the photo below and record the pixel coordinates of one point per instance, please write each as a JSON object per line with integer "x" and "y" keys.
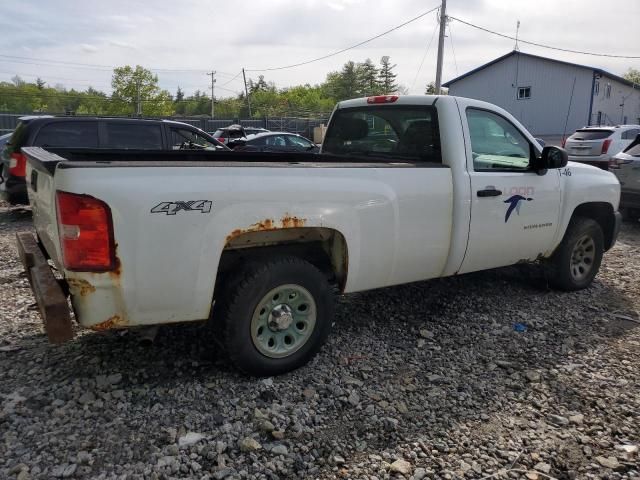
{"x": 405, "y": 189}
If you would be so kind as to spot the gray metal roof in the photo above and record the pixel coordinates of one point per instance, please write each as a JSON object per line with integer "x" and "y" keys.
{"x": 515, "y": 52}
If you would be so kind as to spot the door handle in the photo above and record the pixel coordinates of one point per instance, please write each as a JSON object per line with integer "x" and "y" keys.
{"x": 489, "y": 192}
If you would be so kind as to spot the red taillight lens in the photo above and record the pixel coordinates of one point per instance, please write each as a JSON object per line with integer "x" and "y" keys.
{"x": 85, "y": 230}
{"x": 18, "y": 165}
{"x": 605, "y": 145}
{"x": 220, "y": 139}
{"x": 382, "y": 99}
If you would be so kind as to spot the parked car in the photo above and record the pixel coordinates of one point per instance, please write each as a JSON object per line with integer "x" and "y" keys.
{"x": 274, "y": 142}
{"x": 259, "y": 242}
{"x": 626, "y": 166}
{"x": 596, "y": 145}
{"x": 92, "y": 132}
{"x": 4, "y": 138}
{"x": 235, "y": 132}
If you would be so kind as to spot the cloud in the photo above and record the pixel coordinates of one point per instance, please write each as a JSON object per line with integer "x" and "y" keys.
{"x": 88, "y": 48}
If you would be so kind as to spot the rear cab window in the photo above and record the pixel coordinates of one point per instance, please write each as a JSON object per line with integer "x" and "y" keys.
{"x": 17, "y": 139}
{"x": 403, "y": 132}
{"x": 73, "y": 134}
{"x": 591, "y": 134}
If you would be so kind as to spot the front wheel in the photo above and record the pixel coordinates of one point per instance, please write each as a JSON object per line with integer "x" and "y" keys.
{"x": 577, "y": 259}
{"x": 276, "y": 316}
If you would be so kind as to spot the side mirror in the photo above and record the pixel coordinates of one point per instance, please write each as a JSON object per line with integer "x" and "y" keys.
{"x": 553, "y": 157}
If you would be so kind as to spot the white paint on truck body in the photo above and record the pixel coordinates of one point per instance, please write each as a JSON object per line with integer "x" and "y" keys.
{"x": 401, "y": 223}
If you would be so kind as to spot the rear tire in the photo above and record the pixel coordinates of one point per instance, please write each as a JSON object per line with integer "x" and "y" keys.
{"x": 576, "y": 262}
{"x": 275, "y": 316}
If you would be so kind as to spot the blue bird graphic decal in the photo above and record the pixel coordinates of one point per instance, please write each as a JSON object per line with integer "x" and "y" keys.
{"x": 514, "y": 204}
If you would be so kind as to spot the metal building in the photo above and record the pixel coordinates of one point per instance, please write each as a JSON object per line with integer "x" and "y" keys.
{"x": 551, "y": 97}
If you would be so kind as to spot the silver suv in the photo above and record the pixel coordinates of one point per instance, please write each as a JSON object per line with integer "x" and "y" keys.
{"x": 626, "y": 166}
{"x": 596, "y": 145}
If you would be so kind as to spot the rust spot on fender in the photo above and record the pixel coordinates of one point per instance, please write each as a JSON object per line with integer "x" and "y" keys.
{"x": 287, "y": 221}
{"x": 113, "y": 322}
{"x": 80, "y": 286}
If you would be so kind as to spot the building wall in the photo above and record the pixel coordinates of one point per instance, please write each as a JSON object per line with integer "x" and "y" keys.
{"x": 609, "y": 106}
{"x": 545, "y": 113}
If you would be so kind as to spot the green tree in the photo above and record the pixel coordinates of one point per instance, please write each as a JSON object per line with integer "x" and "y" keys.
{"x": 633, "y": 75}
{"x": 40, "y": 83}
{"x": 387, "y": 77}
{"x": 130, "y": 85}
{"x": 368, "y": 78}
{"x": 431, "y": 88}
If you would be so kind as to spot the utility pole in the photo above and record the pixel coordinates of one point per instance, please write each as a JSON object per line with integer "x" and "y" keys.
{"x": 443, "y": 26}
{"x": 213, "y": 82}
{"x": 246, "y": 91}
{"x": 138, "y": 104}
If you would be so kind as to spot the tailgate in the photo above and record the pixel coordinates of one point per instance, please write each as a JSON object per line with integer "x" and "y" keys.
{"x": 584, "y": 148}
{"x": 40, "y": 173}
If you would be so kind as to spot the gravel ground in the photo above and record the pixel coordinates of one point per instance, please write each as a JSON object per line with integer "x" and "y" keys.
{"x": 428, "y": 380}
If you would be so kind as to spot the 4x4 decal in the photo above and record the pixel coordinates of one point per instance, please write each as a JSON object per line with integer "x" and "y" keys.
{"x": 171, "y": 208}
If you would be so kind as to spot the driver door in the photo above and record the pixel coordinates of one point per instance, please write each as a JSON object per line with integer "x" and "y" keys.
{"x": 514, "y": 211}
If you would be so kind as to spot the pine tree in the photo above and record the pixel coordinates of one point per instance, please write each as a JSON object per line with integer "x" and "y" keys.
{"x": 349, "y": 81}
{"x": 387, "y": 77}
{"x": 368, "y": 78}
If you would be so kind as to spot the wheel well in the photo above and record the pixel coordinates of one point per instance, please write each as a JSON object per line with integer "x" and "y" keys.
{"x": 602, "y": 213}
{"x": 325, "y": 248}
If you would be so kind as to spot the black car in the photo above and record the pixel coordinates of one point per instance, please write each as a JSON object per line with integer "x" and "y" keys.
{"x": 235, "y": 132}
{"x": 92, "y": 132}
{"x": 275, "y": 142}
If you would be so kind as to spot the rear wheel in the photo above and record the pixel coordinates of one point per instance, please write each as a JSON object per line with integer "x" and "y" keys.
{"x": 276, "y": 316}
{"x": 577, "y": 260}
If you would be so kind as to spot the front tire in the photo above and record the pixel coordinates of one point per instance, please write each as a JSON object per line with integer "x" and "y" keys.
{"x": 576, "y": 262}
{"x": 276, "y": 316}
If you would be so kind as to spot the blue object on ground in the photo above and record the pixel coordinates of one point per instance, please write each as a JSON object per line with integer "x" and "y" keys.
{"x": 519, "y": 327}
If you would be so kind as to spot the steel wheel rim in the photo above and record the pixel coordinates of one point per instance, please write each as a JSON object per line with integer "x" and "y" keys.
{"x": 283, "y": 321}
{"x": 582, "y": 257}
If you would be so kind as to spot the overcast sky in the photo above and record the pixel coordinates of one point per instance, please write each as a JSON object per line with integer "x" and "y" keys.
{"x": 199, "y": 35}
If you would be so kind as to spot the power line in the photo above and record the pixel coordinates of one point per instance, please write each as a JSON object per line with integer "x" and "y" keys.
{"x": 433, "y": 34}
{"x": 455, "y": 62}
{"x": 49, "y": 62}
{"x": 542, "y": 45}
{"x": 344, "y": 49}
{"x": 234, "y": 78}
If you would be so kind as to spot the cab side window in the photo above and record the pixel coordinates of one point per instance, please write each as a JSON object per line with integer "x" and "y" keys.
{"x": 133, "y": 136}
{"x": 496, "y": 144}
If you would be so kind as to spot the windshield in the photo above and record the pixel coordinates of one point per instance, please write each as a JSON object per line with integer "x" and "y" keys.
{"x": 590, "y": 134}
{"x": 409, "y": 132}
{"x": 634, "y": 148}
{"x": 182, "y": 138}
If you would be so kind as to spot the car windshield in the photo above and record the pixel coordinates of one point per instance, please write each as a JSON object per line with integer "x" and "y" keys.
{"x": 410, "y": 132}
{"x": 634, "y": 148}
{"x": 591, "y": 134}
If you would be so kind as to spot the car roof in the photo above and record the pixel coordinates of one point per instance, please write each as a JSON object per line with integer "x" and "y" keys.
{"x": 266, "y": 134}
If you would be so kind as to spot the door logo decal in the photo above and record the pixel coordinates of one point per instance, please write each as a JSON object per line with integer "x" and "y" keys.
{"x": 514, "y": 204}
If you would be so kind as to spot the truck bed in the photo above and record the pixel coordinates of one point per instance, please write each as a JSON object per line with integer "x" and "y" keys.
{"x": 49, "y": 159}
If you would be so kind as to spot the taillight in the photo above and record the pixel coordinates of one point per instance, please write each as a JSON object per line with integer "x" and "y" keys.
{"x": 382, "y": 99}
{"x": 85, "y": 230}
{"x": 220, "y": 139}
{"x": 605, "y": 145}
{"x": 18, "y": 165}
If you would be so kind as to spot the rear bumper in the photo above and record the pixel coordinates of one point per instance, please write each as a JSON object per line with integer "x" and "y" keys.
{"x": 51, "y": 299}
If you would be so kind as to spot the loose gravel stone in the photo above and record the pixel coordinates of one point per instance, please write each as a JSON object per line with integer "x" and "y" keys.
{"x": 431, "y": 373}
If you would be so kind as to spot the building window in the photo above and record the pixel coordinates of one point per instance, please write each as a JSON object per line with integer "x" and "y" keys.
{"x": 607, "y": 91}
{"x": 596, "y": 89}
{"x": 524, "y": 93}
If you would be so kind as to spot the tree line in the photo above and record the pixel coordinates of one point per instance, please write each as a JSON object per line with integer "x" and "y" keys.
{"x": 136, "y": 91}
